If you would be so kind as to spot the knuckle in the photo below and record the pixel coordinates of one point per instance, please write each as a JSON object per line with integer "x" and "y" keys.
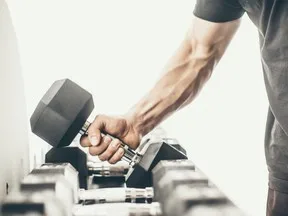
{"x": 107, "y": 139}
{"x": 112, "y": 161}
{"x": 102, "y": 157}
{"x": 92, "y": 151}
{"x": 109, "y": 152}
{"x": 91, "y": 130}
{"x": 99, "y": 117}
{"x": 115, "y": 144}
{"x": 121, "y": 122}
{"x": 121, "y": 152}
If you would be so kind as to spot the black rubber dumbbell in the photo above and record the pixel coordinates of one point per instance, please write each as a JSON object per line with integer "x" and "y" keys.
{"x": 98, "y": 177}
{"x": 62, "y": 113}
{"x": 121, "y": 209}
{"x": 66, "y": 170}
{"x": 166, "y": 165}
{"x": 40, "y": 183}
{"x": 189, "y": 201}
{"x": 171, "y": 141}
{"x": 174, "y": 178}
{"x": 136, "y": 177}
{"x": 48, "y": 176}
{"x": 175, "y": 143}
{"x": 40, "y": 204}
{"x": 73, "y": 155}
{"x": 140, "y": 173}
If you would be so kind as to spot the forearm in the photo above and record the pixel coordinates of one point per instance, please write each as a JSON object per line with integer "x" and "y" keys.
{"x": 186, "y": 73}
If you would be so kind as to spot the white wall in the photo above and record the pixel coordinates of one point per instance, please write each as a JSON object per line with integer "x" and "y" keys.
{"x": 117, "y": 49}
{"x": 14, "y": 134}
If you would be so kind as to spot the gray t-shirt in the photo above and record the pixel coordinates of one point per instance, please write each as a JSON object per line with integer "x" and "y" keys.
{"x": 271, "y": 19}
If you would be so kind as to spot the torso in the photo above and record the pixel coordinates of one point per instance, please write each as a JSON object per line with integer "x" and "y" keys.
{"x": 271, "y": 19}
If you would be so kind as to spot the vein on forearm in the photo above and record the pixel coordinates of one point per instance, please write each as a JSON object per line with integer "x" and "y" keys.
{"x": 181, "y": 83}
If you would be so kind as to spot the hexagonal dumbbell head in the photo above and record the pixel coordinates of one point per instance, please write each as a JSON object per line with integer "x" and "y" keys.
{"x": 185, "y": 197}
{"x": 19, "y": 203}
{"x": 175, "y": 143}
{"x": 140, "y": 174}
{"x": 61, "y": 113}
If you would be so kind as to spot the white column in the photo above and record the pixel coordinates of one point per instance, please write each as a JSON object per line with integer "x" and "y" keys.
{"x": 14, "y": 157}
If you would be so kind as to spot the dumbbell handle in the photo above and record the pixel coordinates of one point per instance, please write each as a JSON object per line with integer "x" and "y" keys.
{"x": 129, "y": 153}
{"x": 98, "y": 169}
{"x": 115, "y": 194}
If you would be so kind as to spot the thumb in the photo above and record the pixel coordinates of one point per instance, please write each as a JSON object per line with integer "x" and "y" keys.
{"x": 94, "y": 137}
{"x": 94, "y": 131}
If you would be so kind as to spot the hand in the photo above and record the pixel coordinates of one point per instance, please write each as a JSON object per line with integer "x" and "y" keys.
{"x": 108, "y": 149}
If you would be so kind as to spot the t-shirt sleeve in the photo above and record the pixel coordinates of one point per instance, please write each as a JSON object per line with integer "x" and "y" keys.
{"x": 218, "y": 10}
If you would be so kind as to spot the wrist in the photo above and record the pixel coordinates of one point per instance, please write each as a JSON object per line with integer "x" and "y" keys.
{"x": 136, "y": 124}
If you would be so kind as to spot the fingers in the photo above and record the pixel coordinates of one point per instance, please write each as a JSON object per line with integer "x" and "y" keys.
{"x": 105, "y": 147}
{"x": 108, "y": 150}
{"x": 99, "y": 149}
{"x": 117, "y": 156}
{"x": 111, "y": 150}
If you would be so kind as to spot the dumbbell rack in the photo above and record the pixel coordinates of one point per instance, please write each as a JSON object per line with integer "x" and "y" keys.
{"x": 159, "y": 181}
{"x": 179, "y": 188}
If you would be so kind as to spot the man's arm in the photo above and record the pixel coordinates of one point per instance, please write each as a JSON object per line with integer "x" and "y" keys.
{"x": 183, "y": 78}
{"x": 186, "y": 73}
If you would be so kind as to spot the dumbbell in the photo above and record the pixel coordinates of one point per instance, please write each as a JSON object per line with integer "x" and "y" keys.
{"x": 104, "y": 169}
{"x": 140, "y": 173}
{"x": 103, "y": 175}
{"x": 119, "y": 209}
{"x": 174, "y": 178}
{"x": 65, "y": 170}
{"x": 99, "y": 176}
{"x": 171, "y": 141}
{"x": 51, "y": 171}
{"x": 199, "y": 201}
{"x": 35, "y": 204}
{"x": 164, "y": 166}
{"x": 175, "y": 143}
{"x": 178, "y": 186}
{"x": 56, "y": 183}
{"x": 137, "y": 176}
{"x": 215, "y": 210}
{"x": 114, "y": 195}
{"x": 62, "y": 113}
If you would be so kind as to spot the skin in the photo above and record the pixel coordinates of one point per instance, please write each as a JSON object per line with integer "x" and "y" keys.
{"x": 184, "y": 76}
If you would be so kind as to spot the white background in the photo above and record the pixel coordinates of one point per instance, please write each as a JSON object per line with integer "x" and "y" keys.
{"x": 117, "y": 50}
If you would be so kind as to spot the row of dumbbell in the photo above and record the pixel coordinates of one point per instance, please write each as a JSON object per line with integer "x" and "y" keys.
{"x": 99, "y": 176}
{"x": 62, "y": 113}
{"x": 182, "y": 189}
{"x": 136, "y": 172}
{"x": 52, "y": 189}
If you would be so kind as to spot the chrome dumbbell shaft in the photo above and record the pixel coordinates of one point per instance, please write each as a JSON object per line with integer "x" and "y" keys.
{"x": 109, "y": 195}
